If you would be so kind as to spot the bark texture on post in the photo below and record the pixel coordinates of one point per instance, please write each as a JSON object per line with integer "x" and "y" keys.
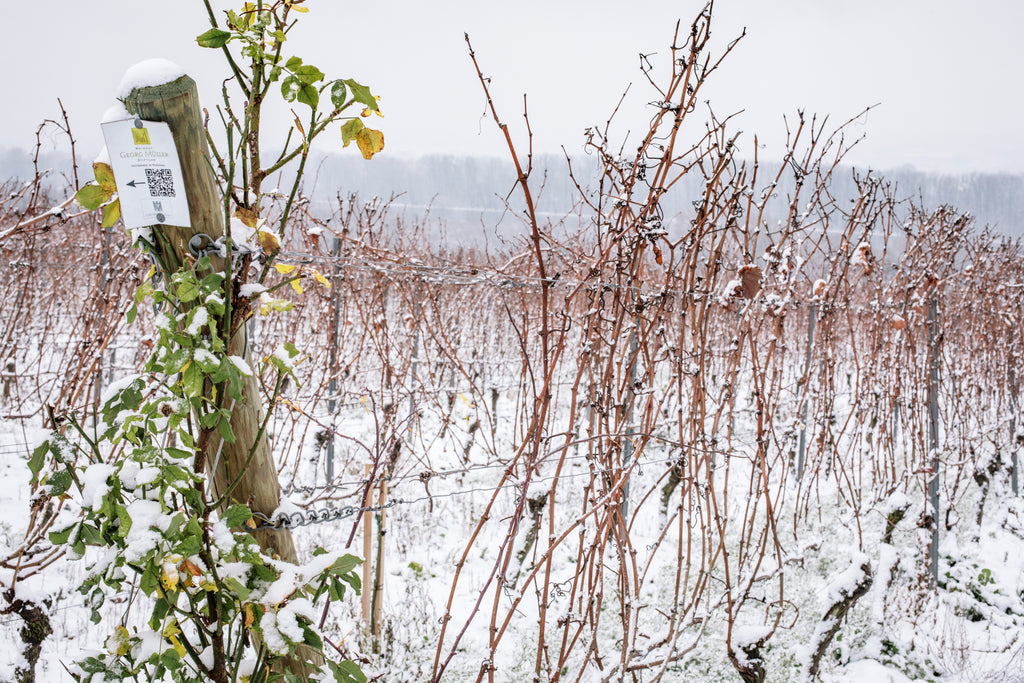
{"x": 177, "y": 104}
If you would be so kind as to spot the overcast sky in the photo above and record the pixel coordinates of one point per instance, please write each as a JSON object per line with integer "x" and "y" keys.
{"x": 946, "y": 74}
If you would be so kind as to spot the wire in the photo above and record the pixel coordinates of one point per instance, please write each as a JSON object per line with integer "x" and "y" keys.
{"x": 334, "y": 514}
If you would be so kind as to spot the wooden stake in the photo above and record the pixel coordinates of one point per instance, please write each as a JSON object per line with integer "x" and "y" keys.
{"x": 367, "y": 548}
{"x": 378, "y": 573}
{"x": 177, "y": 103}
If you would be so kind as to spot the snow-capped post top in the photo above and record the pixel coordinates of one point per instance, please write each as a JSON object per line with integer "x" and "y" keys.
{"x": 147, "y": 74}
{"x": 161, "y": 98}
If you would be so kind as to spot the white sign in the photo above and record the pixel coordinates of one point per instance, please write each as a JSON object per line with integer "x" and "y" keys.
{"x": 147, "y": 172}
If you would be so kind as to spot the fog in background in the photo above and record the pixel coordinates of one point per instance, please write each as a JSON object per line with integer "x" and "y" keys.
{"x": 942, "y": 73}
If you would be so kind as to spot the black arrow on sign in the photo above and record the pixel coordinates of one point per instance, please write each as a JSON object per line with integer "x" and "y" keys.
{"x": 133, "y": 183}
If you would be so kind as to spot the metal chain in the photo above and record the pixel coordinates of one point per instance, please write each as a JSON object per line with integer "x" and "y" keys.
{"x": 297, "y": 519}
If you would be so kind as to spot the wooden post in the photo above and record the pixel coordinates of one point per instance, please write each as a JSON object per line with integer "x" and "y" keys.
{"x": 933, "y": 431}
{"x": 332, "y": 387}
{"x": 177, "y": 104}
{"x": 802, "y": 448}
{"x": 367, "y": 550}
{"x": 378, "y": 570}
{"x": 10, "y": 376}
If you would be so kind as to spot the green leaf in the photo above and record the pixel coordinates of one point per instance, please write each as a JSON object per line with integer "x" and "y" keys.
{"x": 309, "y": 96}
{"x": 59, "y": 482}
{"x": 345, "y": 563}
{"x": 289, "y": 90}
{"x": 131, "y": 313}
{"x": 350, "y": 130}
{"x": 310, "y": 637}
{"x": 192, "y": 380}
{"x": 236, "y": 587}
{"x": 338, "y": 94}
{"x": 35, "y": 464}
{"x": 347, "y": 672}
{"x": 126, "y": 520}
{"x": 362, "y": 94}
{"x": 187, "y": 291}
{"x": 308, "y": 74}
{"x": 189, "y": 546}
{"x": 91, "y": 196}
{"x": 61, "y": 537}
{"x": 224, "y": 427}
{"x": 214, "y": 38}
{"x": 237, "y": 515}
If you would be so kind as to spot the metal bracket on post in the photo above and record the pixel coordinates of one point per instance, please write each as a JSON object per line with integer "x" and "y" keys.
{"x": 201, "y": 245}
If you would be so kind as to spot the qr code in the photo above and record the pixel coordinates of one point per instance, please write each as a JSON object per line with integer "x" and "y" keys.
{"x": 160, "y": 181}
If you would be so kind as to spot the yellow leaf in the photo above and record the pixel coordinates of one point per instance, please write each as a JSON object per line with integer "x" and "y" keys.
{"x": 321, "y": 279}
{"x": 169, "y": 576}
{"x": 370, "y": 142}
{"x": 111, "y": 212}
{"x": 296, "y": 285}
{"x": 249, "y": 618}
{"x": 118, "y": 643}
{"x": 365, "y": 112}
{"x": 268, "y": 242}
{"x": 283, "y": 268}
{"x": 247, "y": 216}
{"x": 178, "y": 647}
{"x": 104, "y": 176}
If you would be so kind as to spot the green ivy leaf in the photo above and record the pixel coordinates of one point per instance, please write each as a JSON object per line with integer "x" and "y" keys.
{"x": 214, "y": 38}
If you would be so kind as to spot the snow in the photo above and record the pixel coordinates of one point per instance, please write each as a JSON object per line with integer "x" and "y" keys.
{"x": 144, "y": 536}
{"x": 116, "y": 387}
{"x": 200, "y": 318}
{"x": 251, "y": 289}
{"x": 115, "y": 112}
{"x": 241, "y": 365}
{"x": 148, "y": 73}
{"x": 94, "y": 484}
{"x": 843, "y": 585}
